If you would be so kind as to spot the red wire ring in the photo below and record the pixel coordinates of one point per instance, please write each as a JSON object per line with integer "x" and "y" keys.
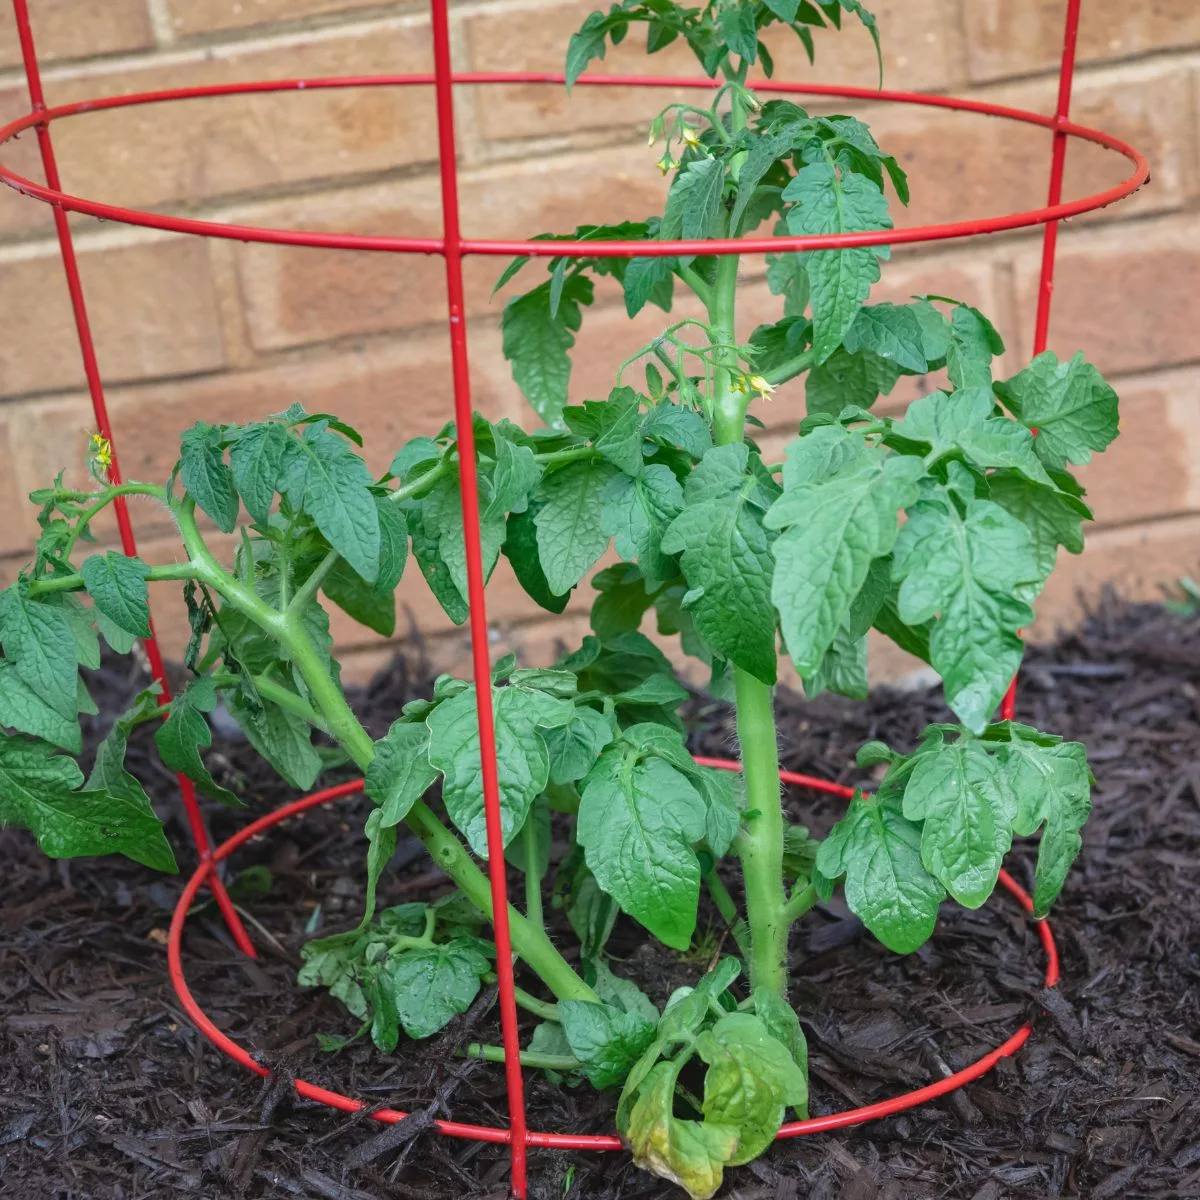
{"x": 751, "y": 245}
{"x": 564, "y": 1141}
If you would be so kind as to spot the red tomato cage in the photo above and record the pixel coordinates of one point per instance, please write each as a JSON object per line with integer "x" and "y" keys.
{"x": 453, "y": 246}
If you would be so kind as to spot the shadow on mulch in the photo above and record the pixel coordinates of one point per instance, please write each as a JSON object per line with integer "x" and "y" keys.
{"x": 106, "y": 1093}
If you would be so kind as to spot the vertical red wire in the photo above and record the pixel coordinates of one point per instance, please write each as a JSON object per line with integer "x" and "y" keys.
{"x": 1058, "y": 163}
{"x": 91, "y": 370}
{"x": 469, "y": 490}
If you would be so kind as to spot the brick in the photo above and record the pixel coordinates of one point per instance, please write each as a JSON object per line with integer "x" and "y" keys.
{"x": 916, "y": 54}
{"x": 12, "y": 499}
{"x": 1138, "y": 562}
{"x": 198, "y": 149}
{"x": 293, "y": 297}
{"x": 152, "y": 307}
{"x": 68, "y": 29}
{"x": 1018, "y": 37}
{"x": 196, "y": 18}
{"x": 962, "y": 166}
{"x": 20, "y": 214}
{"x": 1124, "y": 296}
{"x": 392, "y": 392}
{"x": 1150, "y": 470}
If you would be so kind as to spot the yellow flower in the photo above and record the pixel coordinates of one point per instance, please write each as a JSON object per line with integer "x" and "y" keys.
{"x": 760, "y": 387}
{"x": 100, "y": 451}
{"x": 691, "y": 138}
{"x": 666, "y": 164}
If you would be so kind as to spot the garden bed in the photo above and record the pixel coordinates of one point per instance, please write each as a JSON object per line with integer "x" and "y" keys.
{"x": 106, "y": 1091}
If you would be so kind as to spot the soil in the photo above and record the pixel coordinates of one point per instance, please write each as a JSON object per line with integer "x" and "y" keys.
{"x": 107, "y": 1093}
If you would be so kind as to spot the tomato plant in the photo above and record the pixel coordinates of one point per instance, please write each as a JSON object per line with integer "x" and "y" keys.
{"x": 938, "y": 529}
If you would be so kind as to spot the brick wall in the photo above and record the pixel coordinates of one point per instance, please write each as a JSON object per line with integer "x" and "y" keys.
{"x": 227, "y": 331}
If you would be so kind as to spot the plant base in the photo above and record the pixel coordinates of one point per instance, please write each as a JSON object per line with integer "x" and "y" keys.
{"x": 548, "y": 1140}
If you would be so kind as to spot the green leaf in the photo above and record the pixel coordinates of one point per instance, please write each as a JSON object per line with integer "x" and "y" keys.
{"x": 333, "y": 485}
{"x": 846, "y": 379}
{"x": 622, "y": 603}
{"x": 649, "y": 281}
{"x": 118, "y": 640}
{"x": 623, "y": 994}
{"x": 966, "y": 575}
{"x": 691, "y": 1154}
{"x": 965, "y": 423}
{"x": 735, "y": 21}
{"x": 838, "y": 513}
{"x": 522, "y": 759}
{"x": 1070, "y": 405}
{"x": 588, "y": 43}
{"x": 23, "y": 709}
{"x": 612, "y": 425}
{"x": 891, "y": 331}
{"x": 521, "y": 549}
{"x": 726, "y": 560}
{"x": 674, "y": 425}
{"x": 766, "y": 148}
{"x": 39, "y": 792}
{"x": 787, "y": 277}
{"x": 257, "y": 458}
{"x": 432, "y": 987}
{"x": 1053, "y": 788}
{"x": 283, "y": 738}
{"x": 443, "y": 518}
{"x": 974, "y": 342}
{"x": 638, "y": 823}
{"x": 842, "y": 670}
{"x": 417, "y": 452}
{"x": 570, "y": 527}
{"x": 400, "y": 773}
{"x": 636, "y": 513}
{"x": 878, "y": 850}
{"x": 968, "y": 806}
{"x": 607, "y": 1040}
{"x": 393, "y": 544}
{"x": 1053, "y": 518}
{"x": 694, "y": 202}
{"x": 514, "y": 476}
{"x": 537, "y": 343}
{"x": 750, "y": 1082}
{"x": 381, "y": 846}
{"x": 784, "y": 1026}
{"x": 828, "y": 202}
{"x": 433, "y": 566}
{"x": 206, "y": 475}
{"x": 575, "y": 746}
{"x": 117, "y": 586}
{"x": 38, "y": 640}
{"x": 331, "y": 962}
{"x": 185, "y": 732}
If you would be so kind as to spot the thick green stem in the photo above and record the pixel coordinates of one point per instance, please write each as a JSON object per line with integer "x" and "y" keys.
{"x": 529, "y": 941}
{"x": 761, "y": 843}
{"x": 533, "y": 871}
{"x": 74, "y": 583}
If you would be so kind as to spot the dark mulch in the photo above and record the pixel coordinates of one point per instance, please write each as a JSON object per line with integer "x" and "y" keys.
{"x": 106, "y": 1092}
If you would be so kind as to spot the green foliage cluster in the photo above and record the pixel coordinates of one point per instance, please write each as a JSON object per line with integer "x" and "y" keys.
{"x": 937, "y": 529}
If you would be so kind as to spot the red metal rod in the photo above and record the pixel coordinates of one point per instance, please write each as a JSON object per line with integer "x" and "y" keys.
{"x": 547, "y": 1140}
{"x": 409, "y": 245}
{"x": 91, "y": 370}
{"x": 1058, "y": 165}
{"x": 476, "y": 602}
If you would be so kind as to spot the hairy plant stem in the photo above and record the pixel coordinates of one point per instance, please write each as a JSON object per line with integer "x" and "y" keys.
{"x": 529, "y": 1058}
{"x": 760, "y": 845}
{"x": 529, "y": 941}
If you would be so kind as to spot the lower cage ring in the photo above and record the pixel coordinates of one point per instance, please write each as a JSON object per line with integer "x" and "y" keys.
{"x": 563, "y": 1141}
